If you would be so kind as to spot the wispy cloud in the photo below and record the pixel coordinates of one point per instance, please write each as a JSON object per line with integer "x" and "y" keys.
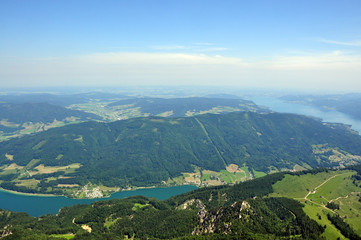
{"x": 212, "y": 49}
{"x": 356, "y": 43}
{"x": 196, "y": 47}
{"x": 169, "y": 47}
{"x": 204, "y": 44}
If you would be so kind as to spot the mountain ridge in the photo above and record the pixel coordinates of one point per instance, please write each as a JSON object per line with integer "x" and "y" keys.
{"x": 149, "y": 151}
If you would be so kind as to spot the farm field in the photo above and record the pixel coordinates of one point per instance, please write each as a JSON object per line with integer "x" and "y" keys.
{"x": 231, "y": 175}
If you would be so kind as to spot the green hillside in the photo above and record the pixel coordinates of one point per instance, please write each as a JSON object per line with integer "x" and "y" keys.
{"x": 204, "y": 150}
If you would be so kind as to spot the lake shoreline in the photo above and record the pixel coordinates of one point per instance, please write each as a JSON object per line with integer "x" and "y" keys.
{"x": 39, "y": 204}
{"x": 30, "y": 194}
{"x": 104, "y": 197}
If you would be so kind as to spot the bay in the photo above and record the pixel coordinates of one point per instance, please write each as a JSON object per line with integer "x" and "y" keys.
{"x": 40, "y": 205}
{"x": 331, "y": 116}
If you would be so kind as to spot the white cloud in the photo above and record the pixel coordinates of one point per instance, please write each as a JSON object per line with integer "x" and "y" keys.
{"x": 353, "y": 43}
{"x": 158, "y": 58}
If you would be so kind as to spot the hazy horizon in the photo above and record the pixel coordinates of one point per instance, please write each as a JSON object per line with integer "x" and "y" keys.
{"x": 300, "y": 46}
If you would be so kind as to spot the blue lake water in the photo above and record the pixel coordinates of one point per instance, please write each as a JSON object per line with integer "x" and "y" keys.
{"x": 278, "y": 105}
{"x": 36, "y": 205}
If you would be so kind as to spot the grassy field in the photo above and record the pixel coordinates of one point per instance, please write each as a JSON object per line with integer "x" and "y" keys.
{"x": 298, "y": 186}
{"x": 32, "y": 163}
{"x": 245, "y": 169}
{"x": 41, "y": 169}
{"x": 350, "y": 206}
{"x": 138, "y": 206}
{"x": 64, "y": 236}
{"x": 258, "y": 174}
{"x": 319, "y": 214}
{"x": 109, "y": 222}
{"x": 320, "y": 189}
{"x": 339, "y": 186}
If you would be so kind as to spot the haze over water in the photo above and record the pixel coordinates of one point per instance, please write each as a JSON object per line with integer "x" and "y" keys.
{"x": 332, "y": 116}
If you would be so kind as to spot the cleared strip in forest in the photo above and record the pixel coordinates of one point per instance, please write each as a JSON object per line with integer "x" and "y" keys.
{"x": 214, "y": 146}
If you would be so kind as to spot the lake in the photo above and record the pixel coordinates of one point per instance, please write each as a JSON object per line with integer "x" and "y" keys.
{"x": 332, "y": 116}
{"x": 38, "y": 205}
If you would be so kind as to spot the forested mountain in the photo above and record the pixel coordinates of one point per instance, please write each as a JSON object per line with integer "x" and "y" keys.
{"x": 180, "y": 107}
{"x": 147, "y": 151}
{"x": 346, "y": 103}
{"x": 40, "y": 112}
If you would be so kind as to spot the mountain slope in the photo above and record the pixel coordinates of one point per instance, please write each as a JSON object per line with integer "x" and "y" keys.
{"x": 146, "y": 151}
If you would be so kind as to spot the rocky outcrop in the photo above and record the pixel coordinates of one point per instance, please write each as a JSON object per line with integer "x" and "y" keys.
{"x": 220, "y": 220}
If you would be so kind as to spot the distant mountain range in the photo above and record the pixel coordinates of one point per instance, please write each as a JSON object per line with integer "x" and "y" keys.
{"x": 60, "y": 100}
{"x": 181, "y": 107}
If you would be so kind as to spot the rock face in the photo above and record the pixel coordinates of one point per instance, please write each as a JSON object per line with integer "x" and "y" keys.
{"x": 5, "y": 232}
{"x": 220, "y": 220}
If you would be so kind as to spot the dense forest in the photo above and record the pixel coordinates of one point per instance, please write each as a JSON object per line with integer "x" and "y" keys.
{"x": 146, "y": 151}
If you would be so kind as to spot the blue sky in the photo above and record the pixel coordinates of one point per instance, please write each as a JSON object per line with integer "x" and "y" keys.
{"x": 272, "y": 44}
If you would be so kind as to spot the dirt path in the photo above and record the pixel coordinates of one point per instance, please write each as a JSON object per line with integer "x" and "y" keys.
{"x": 314, "y": 191}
